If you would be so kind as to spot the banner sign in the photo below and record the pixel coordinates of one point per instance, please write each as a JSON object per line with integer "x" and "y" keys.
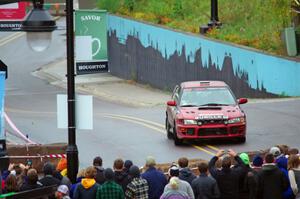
{"x": 91, "y": 41}
{"x": 10, "y": 25}
{"x": 2, "y": 92}
{"x": 13, "y": 11}
{"x": 83, "y": 111}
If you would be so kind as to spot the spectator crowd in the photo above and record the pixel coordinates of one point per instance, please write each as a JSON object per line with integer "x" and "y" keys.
{"x": 228, "y": 175}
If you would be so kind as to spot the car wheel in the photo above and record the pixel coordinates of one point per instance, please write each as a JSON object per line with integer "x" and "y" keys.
{"x": 168, "y": 129}
{"x": 177, "y": 141}
{"x": 241, "y": 139}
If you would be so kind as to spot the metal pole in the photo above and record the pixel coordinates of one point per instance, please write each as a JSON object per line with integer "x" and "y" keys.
{"x": 212, "y": 10}
{"x": 216, "y": 11}
{"x": 72, "y": 151}
{"x": 214, "y": 18}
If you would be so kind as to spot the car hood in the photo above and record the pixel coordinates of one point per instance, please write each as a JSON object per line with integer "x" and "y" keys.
{"x": 203, "y": 111}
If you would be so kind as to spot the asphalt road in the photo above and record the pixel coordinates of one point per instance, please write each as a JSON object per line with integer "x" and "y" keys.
{"x": 120, "y": 130}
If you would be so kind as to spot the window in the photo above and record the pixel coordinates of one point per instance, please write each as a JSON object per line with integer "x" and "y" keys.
{"x": 204, "y": 96}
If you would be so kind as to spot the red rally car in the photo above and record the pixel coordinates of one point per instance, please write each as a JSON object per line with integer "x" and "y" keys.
{"x": 205, "y": 110}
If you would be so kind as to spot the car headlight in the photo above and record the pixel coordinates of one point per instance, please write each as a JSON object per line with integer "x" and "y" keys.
{"x": 187, "y": 122}
{"x": 236, "y": 120}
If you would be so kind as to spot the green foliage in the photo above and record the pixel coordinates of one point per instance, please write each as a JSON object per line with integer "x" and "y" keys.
{"x": 178, "y": 9}
{"x": 129, "y": 4}
{"x": 110, "y": 5}
{"x": 254, "y": 23}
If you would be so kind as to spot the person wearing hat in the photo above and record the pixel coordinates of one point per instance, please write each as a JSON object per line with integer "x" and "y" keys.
{"x": 279, "y": 156}
{"x": 110, "y": 189}
{"x": 251, "y": 180}
{"x": 257, "y": 162}
{"x": 138, "y": 187}
{"x": 62, "y": 166}
{"x": 282, "y": 165}
{"x": 127, "y": 165}
{"x": 155, "y": 178}
{"x": 182, "y": 185}
{"x": 248, "y": 180}
{"x": 62, "y": 192}
{"x": 275, "y": 151}
{"x": 48, "y": 178}
{"x": 282, "y": 161}
{"x": 205, "y": 186}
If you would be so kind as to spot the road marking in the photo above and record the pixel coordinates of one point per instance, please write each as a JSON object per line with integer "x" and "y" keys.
{"x": 10, "y": 38}
{"x": 137, "y": 122}
{"x": 146, "y": 123}
{"x": 202, "y": 149}
{"x": 213, "y": 147}
{"x": 138, "y": 119}
{"x": 12, "y": 110}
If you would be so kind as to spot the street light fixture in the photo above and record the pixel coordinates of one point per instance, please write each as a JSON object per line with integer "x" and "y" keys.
{"x": 39, "y": 26}
{"x": 39, "y": 22}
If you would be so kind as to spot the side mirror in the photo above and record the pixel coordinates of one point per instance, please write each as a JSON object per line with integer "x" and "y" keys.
{"x": 242, "y": 100}
{"x": 171, "y": 103}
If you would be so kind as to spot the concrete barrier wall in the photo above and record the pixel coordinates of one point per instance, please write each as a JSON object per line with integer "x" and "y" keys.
{"x": 35, "y": 153}
{"x": 162, "y": 58}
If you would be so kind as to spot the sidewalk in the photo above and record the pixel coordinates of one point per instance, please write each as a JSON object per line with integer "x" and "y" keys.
{"x": 104, "y": 86}
{"x": 114, "y": 89}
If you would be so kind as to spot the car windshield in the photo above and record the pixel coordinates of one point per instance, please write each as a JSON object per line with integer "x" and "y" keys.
{"x": 206, "y": 97}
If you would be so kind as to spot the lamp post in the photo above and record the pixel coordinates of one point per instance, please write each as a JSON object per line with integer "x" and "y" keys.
{"x": 39, "y": 25}
{"x": 72, "y": 151}
{"x": 214, "y": 18}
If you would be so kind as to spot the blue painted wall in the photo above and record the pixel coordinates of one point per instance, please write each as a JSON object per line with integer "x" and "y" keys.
{"x": 276, "y": 75}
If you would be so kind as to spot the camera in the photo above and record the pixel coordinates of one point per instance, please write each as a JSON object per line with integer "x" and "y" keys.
{"x": 29, "y": 162}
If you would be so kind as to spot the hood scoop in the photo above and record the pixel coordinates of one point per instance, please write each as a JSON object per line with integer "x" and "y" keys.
{"x": 210, "y": 108}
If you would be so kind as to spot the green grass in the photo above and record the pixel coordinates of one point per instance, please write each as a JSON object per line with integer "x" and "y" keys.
{"x": 254, "y": 23}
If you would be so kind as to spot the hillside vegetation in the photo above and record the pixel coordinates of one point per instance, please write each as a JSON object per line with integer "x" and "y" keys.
{"x": 254, "y": 23}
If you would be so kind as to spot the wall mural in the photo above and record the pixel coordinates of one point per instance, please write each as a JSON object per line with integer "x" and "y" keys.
{"x": 163, "y": 58}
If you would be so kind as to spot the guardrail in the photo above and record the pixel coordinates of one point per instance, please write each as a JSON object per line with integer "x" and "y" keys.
{"x": 41, "y": 193}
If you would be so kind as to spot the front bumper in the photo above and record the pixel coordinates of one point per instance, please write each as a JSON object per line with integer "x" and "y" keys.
{"x": 211, "y": 131}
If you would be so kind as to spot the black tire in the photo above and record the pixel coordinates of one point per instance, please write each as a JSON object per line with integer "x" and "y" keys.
{"x": 177, "y": 141}
{"x": 241, "y": 139}
{"x": 168, "y": 129}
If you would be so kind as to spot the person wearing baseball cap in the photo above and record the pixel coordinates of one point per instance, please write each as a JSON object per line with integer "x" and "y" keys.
{"x": 62, "y": 192}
